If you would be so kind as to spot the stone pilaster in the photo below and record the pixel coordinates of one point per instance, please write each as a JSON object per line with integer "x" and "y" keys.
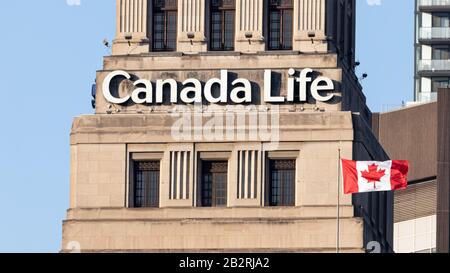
{"x": 131, "y": 27}
{"x": 309, "y": 26}
{"x": 191, "y": 26}
{"x": 249, "y": 25}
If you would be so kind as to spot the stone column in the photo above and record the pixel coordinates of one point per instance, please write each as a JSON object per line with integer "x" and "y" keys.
{"x": 191, "y": 26}
{"x": 177, "y": 176}
{"x": 247, "y": 161}
{"x": 309, "y": 26}
{"x": 131, "y": 27}
{"x": 249, "y": 26}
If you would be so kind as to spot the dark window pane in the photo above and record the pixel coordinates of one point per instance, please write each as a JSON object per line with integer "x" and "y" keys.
{"x": 146, "y": 184}
{"x": 282, "y": 183}
{"x": 441, "y": 19}
{"x": 164, "y": 25}
{"x": 229, "y": 30}
{"x": 274, "y": 30}
{"x": 287, "y": 29}
{"x": 216, "y": 31}
{"x": 222, "y": 25}
{"x": 280, "y": 25}
{"x": 441, "y": 52}
{"x": 171, "y": 31}
{"x": 214, "y": 184}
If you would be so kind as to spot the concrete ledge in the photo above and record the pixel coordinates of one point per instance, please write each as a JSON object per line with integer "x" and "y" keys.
{"x": 157, "y": 128}
{"x": 225, "y": 235}
{"x": 174, "y": 214}
{"x": 177, "y": 61}
{"x": 224, "y": 251}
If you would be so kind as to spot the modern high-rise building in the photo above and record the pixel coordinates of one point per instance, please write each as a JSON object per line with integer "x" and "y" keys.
{"x": 219, "y": 126}
{"x": 432, "y": 48}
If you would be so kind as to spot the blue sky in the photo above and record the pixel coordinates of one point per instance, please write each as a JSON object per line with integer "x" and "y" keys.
{"x": 49, "y": 52}
{"x": 385, "y": 48}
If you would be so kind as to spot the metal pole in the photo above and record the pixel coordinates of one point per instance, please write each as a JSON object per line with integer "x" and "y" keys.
{"x": 338, "y": 204}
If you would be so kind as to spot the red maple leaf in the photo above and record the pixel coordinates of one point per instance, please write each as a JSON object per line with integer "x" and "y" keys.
{"x": 374, "y": 175}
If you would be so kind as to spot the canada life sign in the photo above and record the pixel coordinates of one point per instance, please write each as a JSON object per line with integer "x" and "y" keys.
{"x": 192, "y": 90}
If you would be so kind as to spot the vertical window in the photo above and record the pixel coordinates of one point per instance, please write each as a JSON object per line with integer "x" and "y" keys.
{"x": 280, "y": 24}
{"x": 164, "y": 25}
{"x": 281, "y": 183}
{"x": 222, "y": 25}
{"x": 214, "y": 184}
{"x": 146, "y": 184}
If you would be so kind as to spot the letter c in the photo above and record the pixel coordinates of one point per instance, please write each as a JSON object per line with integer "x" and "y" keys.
{"x": 107, "y": 82}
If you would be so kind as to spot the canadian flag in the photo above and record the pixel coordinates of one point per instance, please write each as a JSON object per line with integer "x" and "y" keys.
{"x": 373, "y": 176}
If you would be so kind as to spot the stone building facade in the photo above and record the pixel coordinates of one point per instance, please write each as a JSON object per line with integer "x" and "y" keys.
{"x": 257, "y": 176}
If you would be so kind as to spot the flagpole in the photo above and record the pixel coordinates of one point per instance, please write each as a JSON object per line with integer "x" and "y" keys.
{"x": 338, "y": 204}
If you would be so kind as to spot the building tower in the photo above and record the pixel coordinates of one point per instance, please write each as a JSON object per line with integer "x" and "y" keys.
{"x": 432, "y": 50}
{"x": 218, "y": 127}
